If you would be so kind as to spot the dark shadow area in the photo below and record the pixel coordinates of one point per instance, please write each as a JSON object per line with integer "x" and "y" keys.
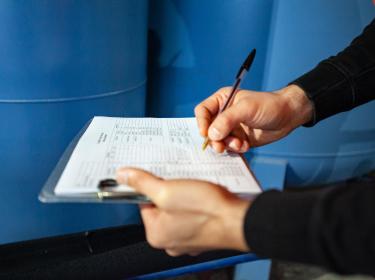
{"x": 112, "y": 253}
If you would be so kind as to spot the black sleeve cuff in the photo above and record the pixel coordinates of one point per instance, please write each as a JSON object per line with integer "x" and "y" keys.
{"x": 277, "y": 225}
{"x": 328, "y": 88}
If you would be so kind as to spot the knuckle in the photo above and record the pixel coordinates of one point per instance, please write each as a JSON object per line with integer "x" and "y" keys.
{"x": 163, "y": 197}
{"x": 132, "y": 179}
{"x": 173, "y": 253}
{"x": 244, "y": 105}
{"x": 121, "y": 169}
{"x": 225, "y": 90}
{"x": 155, "y": 241}
{"x": 197, "y": 109}
{"x": 122, "y": 175}
{"x": 223, "y": 93}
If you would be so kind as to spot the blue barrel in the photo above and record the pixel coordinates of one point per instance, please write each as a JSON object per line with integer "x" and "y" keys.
{"x": 62, "y": 62}
{"x": 303, "y": 33}
{"x": 197, "y": 47}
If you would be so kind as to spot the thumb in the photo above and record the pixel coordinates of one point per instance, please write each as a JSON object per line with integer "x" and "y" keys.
{"x": 226, "y": 122}
{"x": 141, "y": 181}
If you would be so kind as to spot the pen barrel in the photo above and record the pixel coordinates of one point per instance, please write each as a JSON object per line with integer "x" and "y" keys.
{"x": 232, "y": 94}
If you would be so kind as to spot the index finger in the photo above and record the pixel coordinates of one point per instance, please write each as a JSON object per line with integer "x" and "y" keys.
{"x": 204, "y": 119}
{"x": 209, "y": 108}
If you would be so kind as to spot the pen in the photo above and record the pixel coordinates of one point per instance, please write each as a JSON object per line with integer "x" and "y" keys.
{"x": 245, "y": 67}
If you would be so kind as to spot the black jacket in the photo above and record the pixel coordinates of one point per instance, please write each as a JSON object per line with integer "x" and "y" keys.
{"x": 332, "y": 227}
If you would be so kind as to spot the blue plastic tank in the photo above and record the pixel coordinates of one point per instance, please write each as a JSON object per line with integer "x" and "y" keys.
{"x": 303, "y": 33}
{"x": 197, "y": 46}
{"x": 62, "y": 62}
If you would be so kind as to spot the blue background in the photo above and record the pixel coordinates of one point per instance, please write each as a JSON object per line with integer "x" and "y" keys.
{"x": 62, "y": 62}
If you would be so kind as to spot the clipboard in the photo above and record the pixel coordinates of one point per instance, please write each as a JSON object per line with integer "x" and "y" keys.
{"x": 106, "y": 189}
{"x": 106, "y": 194}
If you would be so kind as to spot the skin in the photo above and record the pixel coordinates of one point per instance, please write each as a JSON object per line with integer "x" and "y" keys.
{"x": 192, "y": 216}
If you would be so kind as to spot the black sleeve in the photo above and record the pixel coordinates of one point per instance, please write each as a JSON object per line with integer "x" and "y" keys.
{"x": 344, "y": 81}
{"x": 333, "y": 227}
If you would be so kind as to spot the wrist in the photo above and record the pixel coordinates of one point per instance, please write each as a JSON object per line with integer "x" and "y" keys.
{"x": 233, "y": 223}
{"x": 301, "y": 107}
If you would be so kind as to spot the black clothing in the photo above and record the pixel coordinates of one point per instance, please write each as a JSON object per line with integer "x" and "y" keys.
{"x": 344, "y": 81}
{"x": 112, "y": 253}
{"x": 332, "y": 227}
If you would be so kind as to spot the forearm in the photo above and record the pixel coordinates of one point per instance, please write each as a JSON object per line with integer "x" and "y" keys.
{"x": 333, "y": 227}
{"x": 344, "y": 81}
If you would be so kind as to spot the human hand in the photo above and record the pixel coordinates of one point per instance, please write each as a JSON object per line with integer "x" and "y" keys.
{"x": 188, "y": 216}
{"x": 254, "y": 119}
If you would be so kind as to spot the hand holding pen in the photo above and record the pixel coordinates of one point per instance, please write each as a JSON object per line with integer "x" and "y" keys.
{"x": 245, "y": 67}
{"x": 254, "y": 118}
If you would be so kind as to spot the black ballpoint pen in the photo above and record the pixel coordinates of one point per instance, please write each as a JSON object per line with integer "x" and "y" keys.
{"x": 245, "y": 67}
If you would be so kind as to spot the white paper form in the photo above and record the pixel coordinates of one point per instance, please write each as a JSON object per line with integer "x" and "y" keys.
{"x": 169, "y": 148}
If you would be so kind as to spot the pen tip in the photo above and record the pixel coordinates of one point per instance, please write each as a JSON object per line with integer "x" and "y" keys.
{"x": 205, "y": 144}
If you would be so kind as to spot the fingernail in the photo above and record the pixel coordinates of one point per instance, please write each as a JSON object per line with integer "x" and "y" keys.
{"x": 244, "y": 147}
{"x": 234, "y": 145}
{"x": 123, "y": 176}
{"x": 214, "y": 134}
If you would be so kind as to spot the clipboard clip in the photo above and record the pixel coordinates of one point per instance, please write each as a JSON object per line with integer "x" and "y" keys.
{"x": 107, "y": 192}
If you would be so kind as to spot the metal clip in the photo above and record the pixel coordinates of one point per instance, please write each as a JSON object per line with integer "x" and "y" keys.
{"x": 107, "y": 192}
